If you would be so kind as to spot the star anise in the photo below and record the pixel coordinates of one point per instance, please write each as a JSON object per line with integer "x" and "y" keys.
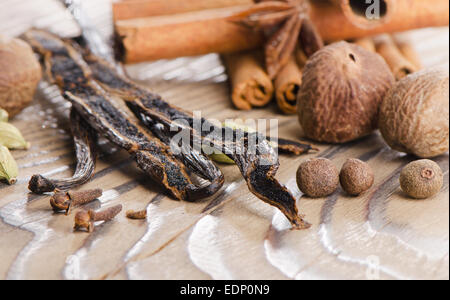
{"x": 285, "y": 23}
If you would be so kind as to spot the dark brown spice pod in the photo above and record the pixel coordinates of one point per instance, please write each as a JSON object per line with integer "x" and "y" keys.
{"x": 317, "y": 177}
{"x": 356, "y": 176}
{"x": 421, "y": 179}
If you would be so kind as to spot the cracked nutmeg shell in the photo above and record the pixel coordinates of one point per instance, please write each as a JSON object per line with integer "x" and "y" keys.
{"x": 343, "y": 86}
{"x": 20, "y": 73}
{"x": 414, "y": 115}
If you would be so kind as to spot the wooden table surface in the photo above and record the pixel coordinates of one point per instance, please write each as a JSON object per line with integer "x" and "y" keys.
{"x": 232, "y": 235}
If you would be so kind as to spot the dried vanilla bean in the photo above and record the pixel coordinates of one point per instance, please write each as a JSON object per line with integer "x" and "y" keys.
{"x": 85, "y": 140}
{"x": 258, "y": 166}
{"x": 66, "y": 68}
{"x": 117, "y": 84}
{"x": 195, "y": 161}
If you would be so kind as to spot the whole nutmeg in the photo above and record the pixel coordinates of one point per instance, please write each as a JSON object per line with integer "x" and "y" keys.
{"x": 414, "y": 115}
{"x": 317, "y": 177}
{"x": 356, "y": 176}
{"x": 342, "y": 87}
{"x": 20, "y": 73}
{"x": 421, "y": 179}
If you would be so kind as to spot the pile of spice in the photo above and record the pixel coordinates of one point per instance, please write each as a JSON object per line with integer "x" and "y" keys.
{"x": 318, "y": 177}
{"x": 286, "y": 33}
{"x": 342, "y": 91}
{"x": 87, "y": 80}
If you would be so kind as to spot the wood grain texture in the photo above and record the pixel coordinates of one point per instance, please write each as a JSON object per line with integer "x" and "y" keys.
{"x": 231, "y": 235}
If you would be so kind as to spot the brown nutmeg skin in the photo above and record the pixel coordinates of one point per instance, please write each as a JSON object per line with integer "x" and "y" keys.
{"x": 20, "y": 72}
{"x": 342, "y": 87}
{"x": 421, "y": 179}
{"x": 317, "y": 177}
{"x": 356, "y": 176}
{"x": 414, "y": 116}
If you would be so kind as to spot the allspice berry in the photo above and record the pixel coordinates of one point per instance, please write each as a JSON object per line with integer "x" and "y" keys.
{"x": 414, "y": 116}
{"x": 20, "y": 72}
{"x": 342, "y": 88}
{"x": 356, "y": 176}
{"x": 317, "y": 177}
{"x": 421, "y": 179}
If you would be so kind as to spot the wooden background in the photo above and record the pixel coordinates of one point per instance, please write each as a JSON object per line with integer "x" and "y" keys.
{"x": 233, "y": 235}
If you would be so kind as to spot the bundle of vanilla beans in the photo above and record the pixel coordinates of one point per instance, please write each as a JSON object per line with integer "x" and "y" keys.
{"x": 90, "y": 83}
{"x": 88, "y": 76}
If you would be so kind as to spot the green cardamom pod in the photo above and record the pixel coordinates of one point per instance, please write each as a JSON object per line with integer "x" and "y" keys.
{"x": 8, "y": 166}
{"x": 219, "y": 157}
{"x": 11, "y": 138}
{"x": 3, "y": 115}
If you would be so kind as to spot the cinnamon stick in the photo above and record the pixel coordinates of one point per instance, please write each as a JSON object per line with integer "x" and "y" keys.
{"x": 287, "y": 85}
{"x": 132, "y": 9}
{"x": 206, "y": 31}
{"x": 186, "y": 34}
{"x": 334, "y": 25}
{"x": 367, "y": 14}
{"x": 366, "y": 43}
{"x": 399, "y": 65}
{"x": 301, "y": 57}
{"x": 250, "y": 84}
{"x": 408, "y": 51}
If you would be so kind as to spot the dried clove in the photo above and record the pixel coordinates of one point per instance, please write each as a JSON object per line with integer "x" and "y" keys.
{"x": 85, "y": 219}
{"x": 137, "y": 215}
{"x": 67, "y": 200}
